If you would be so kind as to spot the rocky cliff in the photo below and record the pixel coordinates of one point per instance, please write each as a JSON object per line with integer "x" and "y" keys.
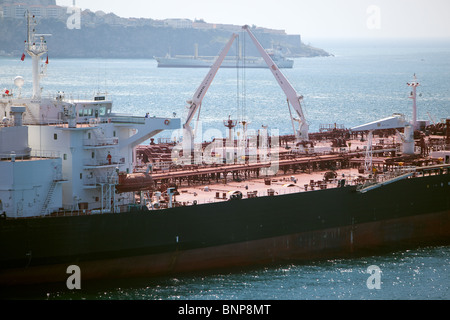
{"x": 109, "y": 36}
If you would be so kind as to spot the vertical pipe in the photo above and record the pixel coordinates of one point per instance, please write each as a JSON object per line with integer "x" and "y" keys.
{"x": 36, "y": 80}
{"x": 414, "y": 97}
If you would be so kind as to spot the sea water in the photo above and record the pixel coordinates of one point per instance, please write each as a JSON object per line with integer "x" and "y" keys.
{"x": 362, "y": 82}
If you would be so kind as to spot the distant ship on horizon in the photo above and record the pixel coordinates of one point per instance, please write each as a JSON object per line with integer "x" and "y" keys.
{"x": 196, "y": 61}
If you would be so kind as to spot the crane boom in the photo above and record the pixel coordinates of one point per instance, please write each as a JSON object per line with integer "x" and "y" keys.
{"x": 197, "y": 99}
{"x": 196, "y": 102}
{"x": 292, "y": 97}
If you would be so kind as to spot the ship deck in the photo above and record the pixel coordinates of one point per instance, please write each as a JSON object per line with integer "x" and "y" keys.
{"x": 264, "y": 186}
{"x": 281, "y": 184}
{"x": 201, "y": 184}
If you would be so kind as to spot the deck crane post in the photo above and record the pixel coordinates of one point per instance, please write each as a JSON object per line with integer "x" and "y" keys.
{"x": 397, "y": 121}
{"x": 293, "y": 98}
{"x": 195, "y": 104}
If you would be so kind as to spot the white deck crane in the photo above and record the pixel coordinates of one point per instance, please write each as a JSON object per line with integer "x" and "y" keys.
{"x": 194, "y": 105}
{"x": 397, "y": 121}
{"x": 293, "y": 98}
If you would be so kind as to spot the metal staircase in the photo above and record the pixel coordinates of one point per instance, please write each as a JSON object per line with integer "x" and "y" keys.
{"x": 48, "y": 198}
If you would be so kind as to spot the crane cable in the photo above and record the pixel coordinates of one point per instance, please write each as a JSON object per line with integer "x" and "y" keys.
{"x": 292, "y": 118}
{"x": 242, "y": 91}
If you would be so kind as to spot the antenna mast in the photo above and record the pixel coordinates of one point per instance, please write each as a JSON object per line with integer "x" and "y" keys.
{"x": 35, "y": 50}
{"x": 414, "y": 84}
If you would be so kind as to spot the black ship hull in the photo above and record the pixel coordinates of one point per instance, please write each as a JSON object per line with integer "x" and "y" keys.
{"x": 311, "y": 225}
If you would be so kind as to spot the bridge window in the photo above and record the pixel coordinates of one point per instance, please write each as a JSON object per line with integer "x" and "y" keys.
{"x": 102, "y": 111}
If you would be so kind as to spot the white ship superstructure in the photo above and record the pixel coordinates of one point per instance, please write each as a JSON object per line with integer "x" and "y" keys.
{"x": 61, "y": 154}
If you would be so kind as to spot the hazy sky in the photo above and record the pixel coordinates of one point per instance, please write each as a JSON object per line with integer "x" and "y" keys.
{"x": 313, "y": 19}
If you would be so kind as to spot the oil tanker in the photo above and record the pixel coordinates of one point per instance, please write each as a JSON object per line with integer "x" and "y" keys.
{"x": 78, "y": 188}
{"x": 321, "y": 224}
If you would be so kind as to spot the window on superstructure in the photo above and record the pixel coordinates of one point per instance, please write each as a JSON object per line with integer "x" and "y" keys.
{"x": 102, "y": 111}
{"x": 65, "y": 156}
{"x": 55, "y": 136}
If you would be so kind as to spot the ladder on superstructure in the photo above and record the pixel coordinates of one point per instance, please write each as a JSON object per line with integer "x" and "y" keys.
{"x": 48, "y": 198}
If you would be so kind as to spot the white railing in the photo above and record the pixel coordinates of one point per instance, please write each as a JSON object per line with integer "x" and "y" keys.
{"x": 6, "y": 124}
{"x": 9, "y": 155}
{"x": 127, "y": 119}
{"x": 94, "y": 181}
{"x": 107, "y": 180}
{"x": 101, "y": 142}
{"x": 39, "y": 154}
{"x": 44, "y": 154}
{"x": 103, "y": 162}
{"x": 441, "y": 147}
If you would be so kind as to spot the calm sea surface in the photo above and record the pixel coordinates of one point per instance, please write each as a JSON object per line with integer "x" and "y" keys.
{"x": 363, "y": 82}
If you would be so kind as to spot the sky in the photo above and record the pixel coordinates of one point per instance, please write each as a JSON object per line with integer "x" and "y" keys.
{"x": 313, "y": 19}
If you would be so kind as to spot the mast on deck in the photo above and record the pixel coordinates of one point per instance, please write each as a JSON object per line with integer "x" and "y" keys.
{"x": 36, "y": 47}
{"x": 414, "y": 84}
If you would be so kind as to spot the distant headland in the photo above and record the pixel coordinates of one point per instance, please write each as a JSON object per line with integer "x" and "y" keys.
{"x": 80, "y": 33}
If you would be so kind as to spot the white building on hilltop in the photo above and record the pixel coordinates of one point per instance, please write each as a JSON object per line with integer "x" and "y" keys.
{"x": 17, "y": 10}
{"x": 178, "y": 23}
